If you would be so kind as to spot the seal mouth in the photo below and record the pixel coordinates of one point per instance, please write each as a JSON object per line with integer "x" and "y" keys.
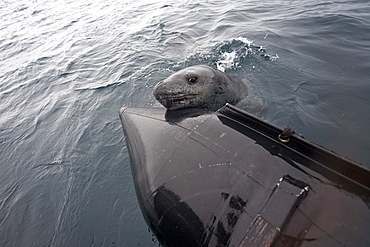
{"x": 176, "y": 97}
{"x": 176, "y": 101}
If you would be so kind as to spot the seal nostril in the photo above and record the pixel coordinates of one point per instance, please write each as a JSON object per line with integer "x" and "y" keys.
{"x": 158, "y": 86}
{"x": 159, "y": 83}
{"x": 192, "y": 80}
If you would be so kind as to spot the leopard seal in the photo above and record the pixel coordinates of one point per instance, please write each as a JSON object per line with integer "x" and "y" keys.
{"x": 199, "y": 86}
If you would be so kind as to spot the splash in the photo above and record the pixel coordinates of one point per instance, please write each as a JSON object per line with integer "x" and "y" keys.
{"x": 227, "y": 61}
{"x": 231, "y": 54}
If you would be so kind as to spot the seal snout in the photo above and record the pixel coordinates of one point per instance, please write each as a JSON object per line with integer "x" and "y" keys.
{"x": 162, "y": 93}
{"x": 156, "y": 88}
{"x": 174, "y": 101}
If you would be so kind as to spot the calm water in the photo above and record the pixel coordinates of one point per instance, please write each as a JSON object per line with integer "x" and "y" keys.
{"x": 67, "y": 67}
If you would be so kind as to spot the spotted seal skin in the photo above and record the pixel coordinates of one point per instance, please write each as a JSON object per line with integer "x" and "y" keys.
{"x": 199, "y": 86}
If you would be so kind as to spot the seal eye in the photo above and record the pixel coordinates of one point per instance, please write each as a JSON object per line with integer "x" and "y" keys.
{"x": 192, "y": 80}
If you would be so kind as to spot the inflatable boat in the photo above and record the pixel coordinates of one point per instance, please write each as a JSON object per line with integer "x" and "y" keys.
{"x": 232, "y": 179}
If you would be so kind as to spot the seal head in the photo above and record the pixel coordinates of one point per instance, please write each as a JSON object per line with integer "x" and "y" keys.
{"x": 199, "y": 86}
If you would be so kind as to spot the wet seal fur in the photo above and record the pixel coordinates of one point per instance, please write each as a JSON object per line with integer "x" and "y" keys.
{"x": 199, "y": 86}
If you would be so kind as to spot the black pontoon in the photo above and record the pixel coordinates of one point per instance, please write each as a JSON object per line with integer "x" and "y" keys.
{"x": 232, "y": 179}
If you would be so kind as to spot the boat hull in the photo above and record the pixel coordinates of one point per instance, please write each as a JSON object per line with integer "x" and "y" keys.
{"x": 226, "y": 179}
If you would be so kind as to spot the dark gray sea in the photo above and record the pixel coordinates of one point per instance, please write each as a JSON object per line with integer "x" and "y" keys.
{"x": 67, "y": 67}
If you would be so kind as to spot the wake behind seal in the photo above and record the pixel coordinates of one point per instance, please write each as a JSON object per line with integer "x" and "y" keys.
{"x": 199, "y": 86}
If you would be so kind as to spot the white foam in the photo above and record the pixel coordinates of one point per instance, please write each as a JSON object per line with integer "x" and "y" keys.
{"x": 227, "y": 62}
{"x": 245, "y": 40}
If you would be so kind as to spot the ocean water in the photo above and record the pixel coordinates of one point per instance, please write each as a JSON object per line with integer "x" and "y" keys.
{"x": 67, "y": 67}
